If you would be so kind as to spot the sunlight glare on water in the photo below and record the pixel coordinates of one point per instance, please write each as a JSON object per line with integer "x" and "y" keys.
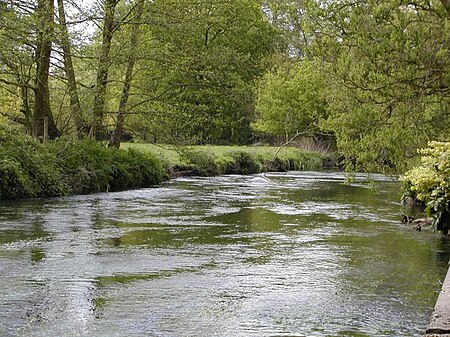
{"x": 303, "y": 254}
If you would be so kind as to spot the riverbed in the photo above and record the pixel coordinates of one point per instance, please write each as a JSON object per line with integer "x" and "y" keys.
{"x": 303, "y": 254}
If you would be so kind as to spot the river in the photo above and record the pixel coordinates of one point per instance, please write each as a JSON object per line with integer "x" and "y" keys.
{"x": 301, "y": 255}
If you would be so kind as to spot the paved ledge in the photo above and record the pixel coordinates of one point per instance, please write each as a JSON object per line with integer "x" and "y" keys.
{"x": 439, "y": 325}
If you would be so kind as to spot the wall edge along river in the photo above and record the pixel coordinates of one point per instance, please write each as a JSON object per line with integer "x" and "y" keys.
{"x": 439, "y": 324}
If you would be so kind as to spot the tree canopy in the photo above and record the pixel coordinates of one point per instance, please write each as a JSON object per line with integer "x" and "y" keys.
{"x": 375, "y": 74}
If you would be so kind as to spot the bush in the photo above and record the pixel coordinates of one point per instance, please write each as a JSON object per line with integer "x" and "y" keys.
{"x": 88, "y": 166}
{"x": 275, "y": 164}
{"x": 202, "y": 163}
{"x": 26, "y": 169}
{"x": 429, "y": 183}
{"x": 14, "y": 183}
{"x": 30, "y": 169}
{"x": 300, "y": 161}
{"x": 239, "y": 162}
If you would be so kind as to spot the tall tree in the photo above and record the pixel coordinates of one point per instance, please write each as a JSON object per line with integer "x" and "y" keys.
{"x": 291, "y": 101}
{"x": 43, "y": 122}
{"x": 69, "y": 69}
{"x": 132, "y": 55}
{"x": 389, "y": 84}
{"x": 17, "y": 62}
{"x": 109, "y": 26}
{"x": 209, "y": 55}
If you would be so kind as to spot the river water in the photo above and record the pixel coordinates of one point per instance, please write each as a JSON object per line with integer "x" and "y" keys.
{"x": 302, "y": 255}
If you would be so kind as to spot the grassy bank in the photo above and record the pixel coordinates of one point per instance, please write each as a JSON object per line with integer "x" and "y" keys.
{"x": 213, "y": 160}
{"x": 30, "y": 169}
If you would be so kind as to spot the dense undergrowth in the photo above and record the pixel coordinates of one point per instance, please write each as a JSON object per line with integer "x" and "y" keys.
{"x": 30, "y": 169}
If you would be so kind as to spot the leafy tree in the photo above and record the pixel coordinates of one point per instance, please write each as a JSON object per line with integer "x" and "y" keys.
{"x": 132, "y": 56}
{"x": 104, "y": 63}
{"x": 208, "y": 55}
{"x": 43, "y": 123}
{"x": 389, "y": 79}
{"x": 27, "y": 34}
{"x": 292, "y": 18}
{"x": 66, "y": 46}
{"x": 291, "y": 100}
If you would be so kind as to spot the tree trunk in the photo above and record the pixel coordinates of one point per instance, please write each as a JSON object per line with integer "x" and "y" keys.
{"x": 42, "y": 108}
{"x": 25, "y": 108}
{"x": 70, "y": 72}
{"x": 103, "y": 69}
{"x": 134, "y": 38}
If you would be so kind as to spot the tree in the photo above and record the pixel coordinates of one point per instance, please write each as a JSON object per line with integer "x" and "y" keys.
{"x": 25, "y": 62}
{"x": 389, "y": 80}
{"x": 132, "y": 55}
{"x": 291, "y": 101}
{"x": 109, "y": 26}
{"x": 43, "y": 123}
{"x": 65, "y": 44}
{"x": 208, "y": 56}
{"x": 292, "y": 17}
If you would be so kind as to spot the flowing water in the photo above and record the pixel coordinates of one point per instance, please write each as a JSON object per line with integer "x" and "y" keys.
{"x": 301, "y": 255}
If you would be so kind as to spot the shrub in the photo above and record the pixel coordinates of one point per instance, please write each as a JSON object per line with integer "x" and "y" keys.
{"x": 239, "y": 162}
{"x": 275, "y": 164}
{"x": 14, "y": 183}
{"x": 88, "y": 166}
{"x": 299, "y": 161}
{"x": 203, "y": 163}
{"x": 429, "y": 183}
{"x": 26, "y": 168}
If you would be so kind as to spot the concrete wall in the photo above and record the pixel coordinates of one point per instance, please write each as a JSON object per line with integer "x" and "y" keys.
{"x": 439, "y": 325}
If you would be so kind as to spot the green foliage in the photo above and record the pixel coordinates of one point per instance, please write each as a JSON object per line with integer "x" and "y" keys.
{"x": 299, "y": 161}
{"x": 430, "y": 182}
{"x": 203, "y": 163}
{"x": 239, "y": 162}
{"x": 230, "y": 160}
{"x": 291, "y": 100}
{"x": 26, "y": 170}
{"x": 89, "y": 166}
{"x": 208, "y": 56}
{"x": 30, "y": 169}
{"x": 388, "y": 71}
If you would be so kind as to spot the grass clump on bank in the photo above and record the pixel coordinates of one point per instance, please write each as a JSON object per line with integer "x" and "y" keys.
{"x": 30, "y": 169}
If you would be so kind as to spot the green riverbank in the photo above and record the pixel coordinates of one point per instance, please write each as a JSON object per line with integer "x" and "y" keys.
{"x": 29, "y": 169}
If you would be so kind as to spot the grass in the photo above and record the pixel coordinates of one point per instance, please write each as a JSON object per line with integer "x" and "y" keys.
{"x": 170, "y": 155}
{"x": 212, "y": 160}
